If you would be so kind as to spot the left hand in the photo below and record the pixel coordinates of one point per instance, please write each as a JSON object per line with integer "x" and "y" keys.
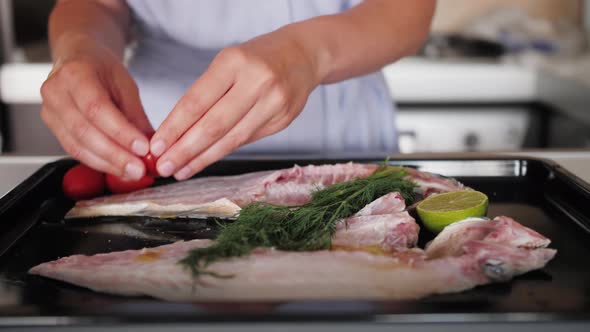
{"x": 249, "y": 91}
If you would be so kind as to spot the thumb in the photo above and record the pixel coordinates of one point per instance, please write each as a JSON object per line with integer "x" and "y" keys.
{"x": 126, "y": 97}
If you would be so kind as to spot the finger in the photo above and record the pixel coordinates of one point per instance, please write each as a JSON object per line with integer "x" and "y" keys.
{"x": 88, "y": 137}
{"x": 126, "y": 96}
{"x": 73, "y": 147}
{"x": 257, "y": 118}
{"x": 126, "y": 164}
{"x": 91, "y": 98}
{"x": 201, "y": 96}
{"x": 217, "y": 122}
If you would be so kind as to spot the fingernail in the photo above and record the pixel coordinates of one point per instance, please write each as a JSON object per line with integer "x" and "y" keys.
{"x": 140, "y": 147}
{"x": 183, "y": 174}
{"x": 133, "y": 171}
{"x": 166, "y": 168}
{"x": 158, "y": 148}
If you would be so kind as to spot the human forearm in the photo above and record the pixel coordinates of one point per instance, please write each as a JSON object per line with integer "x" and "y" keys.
{"x": 363, "y": 39}
{"x": 79, "y": 26}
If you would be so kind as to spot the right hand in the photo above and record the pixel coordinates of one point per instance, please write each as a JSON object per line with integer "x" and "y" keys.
{"x": 92, "y": 105}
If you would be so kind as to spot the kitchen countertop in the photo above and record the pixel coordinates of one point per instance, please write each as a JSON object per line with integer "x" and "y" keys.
{"x": 15, "y": 169}
{"x": 410, "y": 80}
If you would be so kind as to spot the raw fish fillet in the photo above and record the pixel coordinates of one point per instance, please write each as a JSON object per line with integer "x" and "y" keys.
{"x": 381, "y": 226}
{"x": 502, "y": 229}
{"x": 222, "y": 196}
{"x": 429, "y": 183}
{"x": 487, "y": 251}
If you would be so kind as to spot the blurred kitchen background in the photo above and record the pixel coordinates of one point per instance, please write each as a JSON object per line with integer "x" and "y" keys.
{"x": 494, "y": 76}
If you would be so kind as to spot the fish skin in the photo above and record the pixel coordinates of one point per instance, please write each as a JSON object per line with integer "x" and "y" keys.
{"x": 269, "y": 274}
{"x": 502, "y": 229}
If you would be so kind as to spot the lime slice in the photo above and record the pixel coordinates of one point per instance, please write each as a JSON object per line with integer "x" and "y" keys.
{"x": 440, "y": 210}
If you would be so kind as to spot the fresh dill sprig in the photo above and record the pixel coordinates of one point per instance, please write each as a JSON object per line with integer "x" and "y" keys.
{"x": 304, "y": 228}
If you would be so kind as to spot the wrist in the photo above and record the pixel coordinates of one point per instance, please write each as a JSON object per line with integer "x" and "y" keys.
{"x": 73, "y": 45}
{"x": 312, "y": 48}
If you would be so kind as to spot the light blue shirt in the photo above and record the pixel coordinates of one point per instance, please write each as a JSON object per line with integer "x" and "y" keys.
{"x": 178, "y": 39}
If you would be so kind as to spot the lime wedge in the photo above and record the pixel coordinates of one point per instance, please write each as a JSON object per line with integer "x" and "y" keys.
{"x": 440, "y": 210}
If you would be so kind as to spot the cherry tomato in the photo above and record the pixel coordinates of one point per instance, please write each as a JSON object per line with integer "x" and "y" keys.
{"x": 83, "y": 182}
{"x": 150, "y": 165}
{"x": 119, "y": 185}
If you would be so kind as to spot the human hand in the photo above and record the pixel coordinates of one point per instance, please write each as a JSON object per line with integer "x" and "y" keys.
{"x": 248, "y": 92}
{"x": 91, "y": 104}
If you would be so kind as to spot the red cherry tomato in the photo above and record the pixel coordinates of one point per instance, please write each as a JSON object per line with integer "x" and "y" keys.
{"x": 118, "y": 185}
{"x": 83, "y": 182}
{"x": 150, "y": 165}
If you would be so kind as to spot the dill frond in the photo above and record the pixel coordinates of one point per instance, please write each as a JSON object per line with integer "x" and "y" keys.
{"x": 304, "y": 228}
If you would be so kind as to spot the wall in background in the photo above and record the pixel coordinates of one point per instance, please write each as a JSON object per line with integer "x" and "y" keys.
{"x": 453, "y": 14}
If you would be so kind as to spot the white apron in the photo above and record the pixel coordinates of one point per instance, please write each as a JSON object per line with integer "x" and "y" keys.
{"x": 178, "y": 39}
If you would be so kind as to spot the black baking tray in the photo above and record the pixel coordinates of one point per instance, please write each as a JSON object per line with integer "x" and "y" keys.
{"x": 538, "y": 193}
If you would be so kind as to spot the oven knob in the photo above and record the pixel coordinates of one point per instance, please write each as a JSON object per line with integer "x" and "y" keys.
{"x": 471, "y": 141}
